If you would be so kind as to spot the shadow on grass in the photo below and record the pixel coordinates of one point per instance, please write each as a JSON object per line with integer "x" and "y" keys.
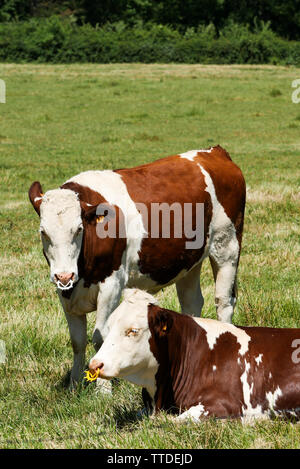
{"x": 126, "y": 410}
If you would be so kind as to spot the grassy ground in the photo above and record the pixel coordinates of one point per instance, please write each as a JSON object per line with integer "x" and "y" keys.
{"x": 60, "y": 120}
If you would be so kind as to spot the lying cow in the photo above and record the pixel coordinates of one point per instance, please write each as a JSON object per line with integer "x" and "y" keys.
{"x": 90, "y": 272}
{"x": 201, "y": 367}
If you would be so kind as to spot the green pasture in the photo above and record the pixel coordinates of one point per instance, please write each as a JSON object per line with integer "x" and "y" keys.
{"x": 60, "y": 120}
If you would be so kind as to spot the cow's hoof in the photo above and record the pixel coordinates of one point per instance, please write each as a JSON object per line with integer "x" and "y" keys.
{"x": 144, "y": 412}
{"x": 104, "y": 386}
{"x": 72, "y": 386}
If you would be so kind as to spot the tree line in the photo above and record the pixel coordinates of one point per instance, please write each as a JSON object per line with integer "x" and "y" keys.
{"x": 283, "y": 16}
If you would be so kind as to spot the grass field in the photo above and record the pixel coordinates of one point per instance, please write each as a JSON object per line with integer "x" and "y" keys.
{"x": 60, "y": 120}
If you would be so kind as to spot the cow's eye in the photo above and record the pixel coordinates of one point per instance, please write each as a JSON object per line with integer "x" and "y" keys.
{"x": 45, "y": 236}
{"x": 79, "y": 230}
{"x": 132, "y": 332}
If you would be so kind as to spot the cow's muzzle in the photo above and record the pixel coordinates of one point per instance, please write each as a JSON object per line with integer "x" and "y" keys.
{"x": 64, "y": 280}
{"x": 96, "y": 365}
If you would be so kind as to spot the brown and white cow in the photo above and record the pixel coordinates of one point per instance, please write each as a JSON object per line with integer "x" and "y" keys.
{"x": 201, "y": 367}
{"x": 90, "y": 273}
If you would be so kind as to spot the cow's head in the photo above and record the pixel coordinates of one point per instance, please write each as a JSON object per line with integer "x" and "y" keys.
{"x": 67, "y": 215}
{"x": 61, "y": 230}
{"x": 125, "y": 352}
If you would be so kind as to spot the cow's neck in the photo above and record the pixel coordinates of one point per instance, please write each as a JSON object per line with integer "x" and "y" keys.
{"x": 181, "y": 356}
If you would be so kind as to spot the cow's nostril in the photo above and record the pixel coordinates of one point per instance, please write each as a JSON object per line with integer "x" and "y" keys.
{"x": 64, "y": 277}
{"x": 95, "y": 365}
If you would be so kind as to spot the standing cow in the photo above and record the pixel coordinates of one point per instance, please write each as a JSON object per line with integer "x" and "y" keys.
{"x": 90, "y": 272}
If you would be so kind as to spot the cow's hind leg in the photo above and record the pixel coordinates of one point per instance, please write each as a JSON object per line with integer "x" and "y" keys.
{"x": 224, "y": 262}
{"x": 189, "y": 292}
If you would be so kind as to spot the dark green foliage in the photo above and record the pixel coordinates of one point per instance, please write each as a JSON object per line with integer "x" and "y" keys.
{"x": 15, "y": 9}
{"x": 59, "y": 40}
{"x": 283, "y": 15}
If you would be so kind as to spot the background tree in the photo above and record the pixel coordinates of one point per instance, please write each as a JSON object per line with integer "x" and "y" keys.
{"x": 283, "y": 15}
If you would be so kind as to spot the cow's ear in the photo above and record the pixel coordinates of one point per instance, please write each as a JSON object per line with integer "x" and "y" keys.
{"x": 162, "y": 321}
{"x": 88, "y": 211}
{"x": 101, "y": 213}
{"x": 36, "y": 196}
{"x": 165, "y": 325}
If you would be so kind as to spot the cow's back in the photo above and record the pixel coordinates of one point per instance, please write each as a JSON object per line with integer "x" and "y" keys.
{"x": 179, "y": 178}
{"x": 190, "y": 178}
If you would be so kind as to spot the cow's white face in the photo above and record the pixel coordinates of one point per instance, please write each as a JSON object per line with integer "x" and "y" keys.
{"x": 61, "y": 232}
{"x": 125, "y": 352}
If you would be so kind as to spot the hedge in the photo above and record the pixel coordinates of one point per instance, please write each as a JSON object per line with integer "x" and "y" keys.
{"x": 55, "y": 40}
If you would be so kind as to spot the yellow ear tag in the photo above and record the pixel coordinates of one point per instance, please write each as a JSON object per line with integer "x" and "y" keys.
{"x": 90, "y": 376}
{"x": 164, "y": 328}
{"x": 100, "y": 219}
{"x": 41, "y": 194}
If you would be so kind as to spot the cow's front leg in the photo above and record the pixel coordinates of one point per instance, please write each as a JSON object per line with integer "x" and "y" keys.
{"x": 109, "y": 296}
{"x": 189, "y": 292}
{"x": 106, "y": 305}
{"x": 78, "y": 334}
